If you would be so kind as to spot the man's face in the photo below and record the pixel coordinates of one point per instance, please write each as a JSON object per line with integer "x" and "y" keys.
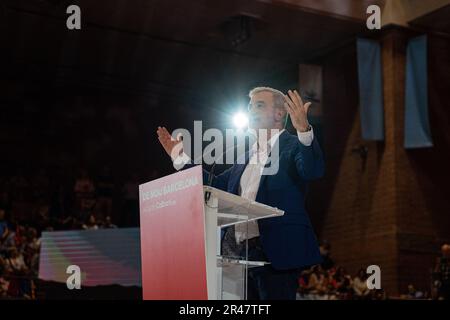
{"x": 262, "y": 113}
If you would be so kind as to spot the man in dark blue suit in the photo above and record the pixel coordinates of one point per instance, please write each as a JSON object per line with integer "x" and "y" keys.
{"x": 287, "y": 242}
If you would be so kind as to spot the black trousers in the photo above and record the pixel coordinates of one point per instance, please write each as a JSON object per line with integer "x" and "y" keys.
{"x": 266, "y": 283}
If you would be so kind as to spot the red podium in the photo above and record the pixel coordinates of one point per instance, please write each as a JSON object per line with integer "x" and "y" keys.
{"x": 180, "y": 239}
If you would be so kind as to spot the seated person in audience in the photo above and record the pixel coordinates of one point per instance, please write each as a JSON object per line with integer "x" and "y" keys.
{"x": 360, "y": 285}
{"x": 15, "y": 263}
{"x": 91, "y": 223}
{"x": 317, "y": 281}
{"x": 8, "y": 242}
{"x": 108, "y": 224}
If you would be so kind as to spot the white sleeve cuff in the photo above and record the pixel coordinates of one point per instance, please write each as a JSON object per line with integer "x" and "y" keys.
{"x": 180, "y": 161}
{"x": 306, "y": 138}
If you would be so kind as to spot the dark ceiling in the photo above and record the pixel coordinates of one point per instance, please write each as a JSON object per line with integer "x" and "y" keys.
{"x": 166, "y": 47}
{"x": 176, "y": 47}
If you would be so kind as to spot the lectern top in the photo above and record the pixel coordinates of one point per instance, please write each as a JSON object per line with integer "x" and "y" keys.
{"x": 232, "y": 209}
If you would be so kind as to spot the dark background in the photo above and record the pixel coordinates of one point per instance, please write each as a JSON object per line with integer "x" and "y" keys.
{"x": 94, "y": 97}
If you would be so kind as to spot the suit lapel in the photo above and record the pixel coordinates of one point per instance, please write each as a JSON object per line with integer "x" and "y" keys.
{"x": 280, "y": 142}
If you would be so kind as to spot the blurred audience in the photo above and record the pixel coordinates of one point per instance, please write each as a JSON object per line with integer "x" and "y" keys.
{"x": 360, "y": 285}
{"x": 108, "y": 224}
{"x": 331, "y": 282}
{"x": 413, "y": 293}
{"x": 90, "y": 224}
{"x": 334, "y": 284}
{"x": 442, "y": 273}
{"x": 51, "y": 200}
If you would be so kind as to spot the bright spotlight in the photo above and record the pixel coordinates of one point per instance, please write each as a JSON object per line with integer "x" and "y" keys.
{"x": 240, "y": 120}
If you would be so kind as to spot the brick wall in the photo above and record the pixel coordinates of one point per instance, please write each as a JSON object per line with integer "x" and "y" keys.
{"x": 390, "y": 208}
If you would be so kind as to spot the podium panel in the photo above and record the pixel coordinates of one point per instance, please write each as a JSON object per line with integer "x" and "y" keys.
{"x": 173, "y": 237}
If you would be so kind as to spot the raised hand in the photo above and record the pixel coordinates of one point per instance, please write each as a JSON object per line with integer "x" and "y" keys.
{"x": 297, "y": 110}
{"x": 173, "y": 147}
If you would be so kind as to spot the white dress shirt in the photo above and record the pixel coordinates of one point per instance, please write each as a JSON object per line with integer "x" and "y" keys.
{"x": 251, "y": 178}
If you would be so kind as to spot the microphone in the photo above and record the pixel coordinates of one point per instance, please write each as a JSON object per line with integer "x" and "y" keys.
{"x": 212, "y": 169}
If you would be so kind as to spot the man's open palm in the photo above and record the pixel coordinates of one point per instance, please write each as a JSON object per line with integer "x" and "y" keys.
{"x": 173, "y": 147}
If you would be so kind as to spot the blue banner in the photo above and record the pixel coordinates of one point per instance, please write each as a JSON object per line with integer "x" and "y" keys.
{"x": 370, "y": 89}
{"x": 417, "y": 127}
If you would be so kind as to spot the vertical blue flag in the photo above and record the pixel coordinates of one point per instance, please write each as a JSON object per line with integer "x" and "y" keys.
{"x": 417, "y": 127}
{"x": 370, "y": 89}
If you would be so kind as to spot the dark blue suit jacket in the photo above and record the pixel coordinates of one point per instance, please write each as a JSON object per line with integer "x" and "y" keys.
{"x": 289, "y": 241}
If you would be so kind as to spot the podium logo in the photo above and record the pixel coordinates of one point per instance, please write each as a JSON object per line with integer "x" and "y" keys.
{"x": 263, "y": 151}
{"x": 74, "y": 280}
